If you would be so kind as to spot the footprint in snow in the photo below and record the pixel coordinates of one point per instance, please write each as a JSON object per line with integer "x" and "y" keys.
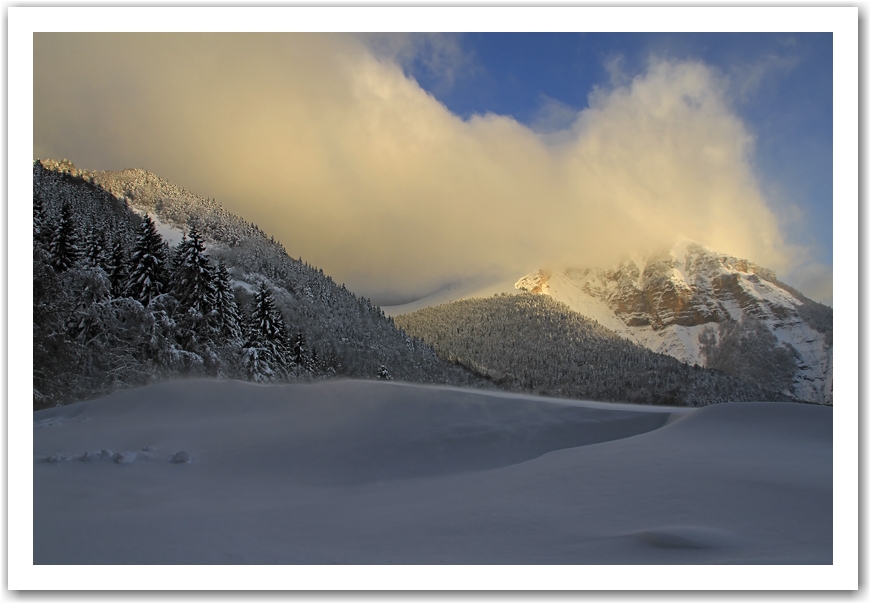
{"x": 124, "y": 457}
{"x": 58, "y": 458}
{"x": 180, "y": 457}
{"x": 121, "y": 458}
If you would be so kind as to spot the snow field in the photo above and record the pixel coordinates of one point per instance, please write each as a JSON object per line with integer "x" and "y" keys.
{"x": 357, "y": 472}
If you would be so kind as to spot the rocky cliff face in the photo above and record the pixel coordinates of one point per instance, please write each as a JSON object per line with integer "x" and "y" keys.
{"x": 686, "y": 302}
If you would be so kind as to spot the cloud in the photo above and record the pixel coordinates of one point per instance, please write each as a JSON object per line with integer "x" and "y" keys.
{"x": 614, "y": 65}
{"x": 553, "y": 116}
{"x": 440, "y": 56}
{"x": 329, "y": 146}
{"x": 750, "y": 78}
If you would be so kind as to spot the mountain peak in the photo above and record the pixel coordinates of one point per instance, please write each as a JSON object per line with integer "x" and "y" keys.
{"x": 683, "y": 247}
{"x": 685, "y": 301}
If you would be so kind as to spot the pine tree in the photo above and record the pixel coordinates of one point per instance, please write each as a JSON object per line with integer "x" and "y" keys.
{"x": 194, "y": 279}
{"x": 41, "y": 230}
{"x": 264, "y": 355}
{"x": 266, "y": 318}
{"x": 116, "y": 269}
{"x": 226, "y": 312}
{"x": 64, "y": 246}
{"x": 148, "y": 279}
{"x": 177, "y": 254}
{"x": 256, "y": 364}
{"x": 94, "y": 249}
{"x": 300, "y": 353}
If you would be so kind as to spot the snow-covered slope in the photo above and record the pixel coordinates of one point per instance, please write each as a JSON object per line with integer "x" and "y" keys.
{"x": 94, "y": 334}
{"x": 354, "y": 472}
{"x": 461, "y": 290}
{"x": 672, "y": 302}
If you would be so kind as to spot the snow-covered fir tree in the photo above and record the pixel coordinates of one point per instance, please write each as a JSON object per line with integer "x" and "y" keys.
{"x": 177, "y": 254}
{"x": 302, "y": 360}
{"x": 149, "y": 275}
{"x": 194, "y": 286}
{"x": 117, "y": 269}
{"x": 64, "y": 246}
{"x": 227, "y": 319}
{"x": 94, "y": 249}
{"x": 41, "y": 228}
{"x": 265, "y": 354}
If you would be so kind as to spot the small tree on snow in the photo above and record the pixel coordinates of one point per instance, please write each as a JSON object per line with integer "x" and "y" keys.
{"x": 301, "y": 358}
{"x": 257, "y": 364}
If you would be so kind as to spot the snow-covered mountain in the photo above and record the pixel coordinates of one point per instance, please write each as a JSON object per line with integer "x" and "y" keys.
{"x": 533, "y": 343}
{"x": 136, "y": 279}
{"x": 688, "y": 302}
{"x": 706, "y": 308}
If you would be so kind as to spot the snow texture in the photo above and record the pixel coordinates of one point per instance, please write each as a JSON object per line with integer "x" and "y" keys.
{"x": 469, "y": 289}
{"x": 366, "y": 472}
{"x": 170, "y": 233}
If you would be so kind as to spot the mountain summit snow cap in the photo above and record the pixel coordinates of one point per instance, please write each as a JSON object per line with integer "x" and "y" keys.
{"x": 682, "y": 300}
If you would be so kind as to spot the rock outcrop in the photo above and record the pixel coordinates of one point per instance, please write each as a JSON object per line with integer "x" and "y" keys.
{"x": 685, "y": 301}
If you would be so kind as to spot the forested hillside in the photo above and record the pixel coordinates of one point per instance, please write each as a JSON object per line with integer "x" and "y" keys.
{"x": 533, "y": 343}
{"x": 115, "y": 306}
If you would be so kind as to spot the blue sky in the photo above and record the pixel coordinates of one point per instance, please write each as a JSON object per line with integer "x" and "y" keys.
{"x": 781, "y": 85}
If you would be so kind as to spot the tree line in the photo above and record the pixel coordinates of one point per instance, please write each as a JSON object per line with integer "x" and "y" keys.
{"x": 534, "y": 343}
{"x": 115, "y": 306}
{"x": 107, "y": 315}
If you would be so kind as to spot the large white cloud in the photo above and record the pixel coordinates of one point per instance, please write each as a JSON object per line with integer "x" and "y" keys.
{"x": 329, "y": 146}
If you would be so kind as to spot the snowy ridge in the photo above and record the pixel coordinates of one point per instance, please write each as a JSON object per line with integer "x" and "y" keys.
{"x": 462, "y": 290}
{"x": 670, "y": 302}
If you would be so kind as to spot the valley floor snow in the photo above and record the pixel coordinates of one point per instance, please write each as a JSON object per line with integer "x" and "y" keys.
{"x": 364, "y": 472}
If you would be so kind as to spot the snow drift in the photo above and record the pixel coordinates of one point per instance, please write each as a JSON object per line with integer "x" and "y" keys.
{"x": 356, "y": 472}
